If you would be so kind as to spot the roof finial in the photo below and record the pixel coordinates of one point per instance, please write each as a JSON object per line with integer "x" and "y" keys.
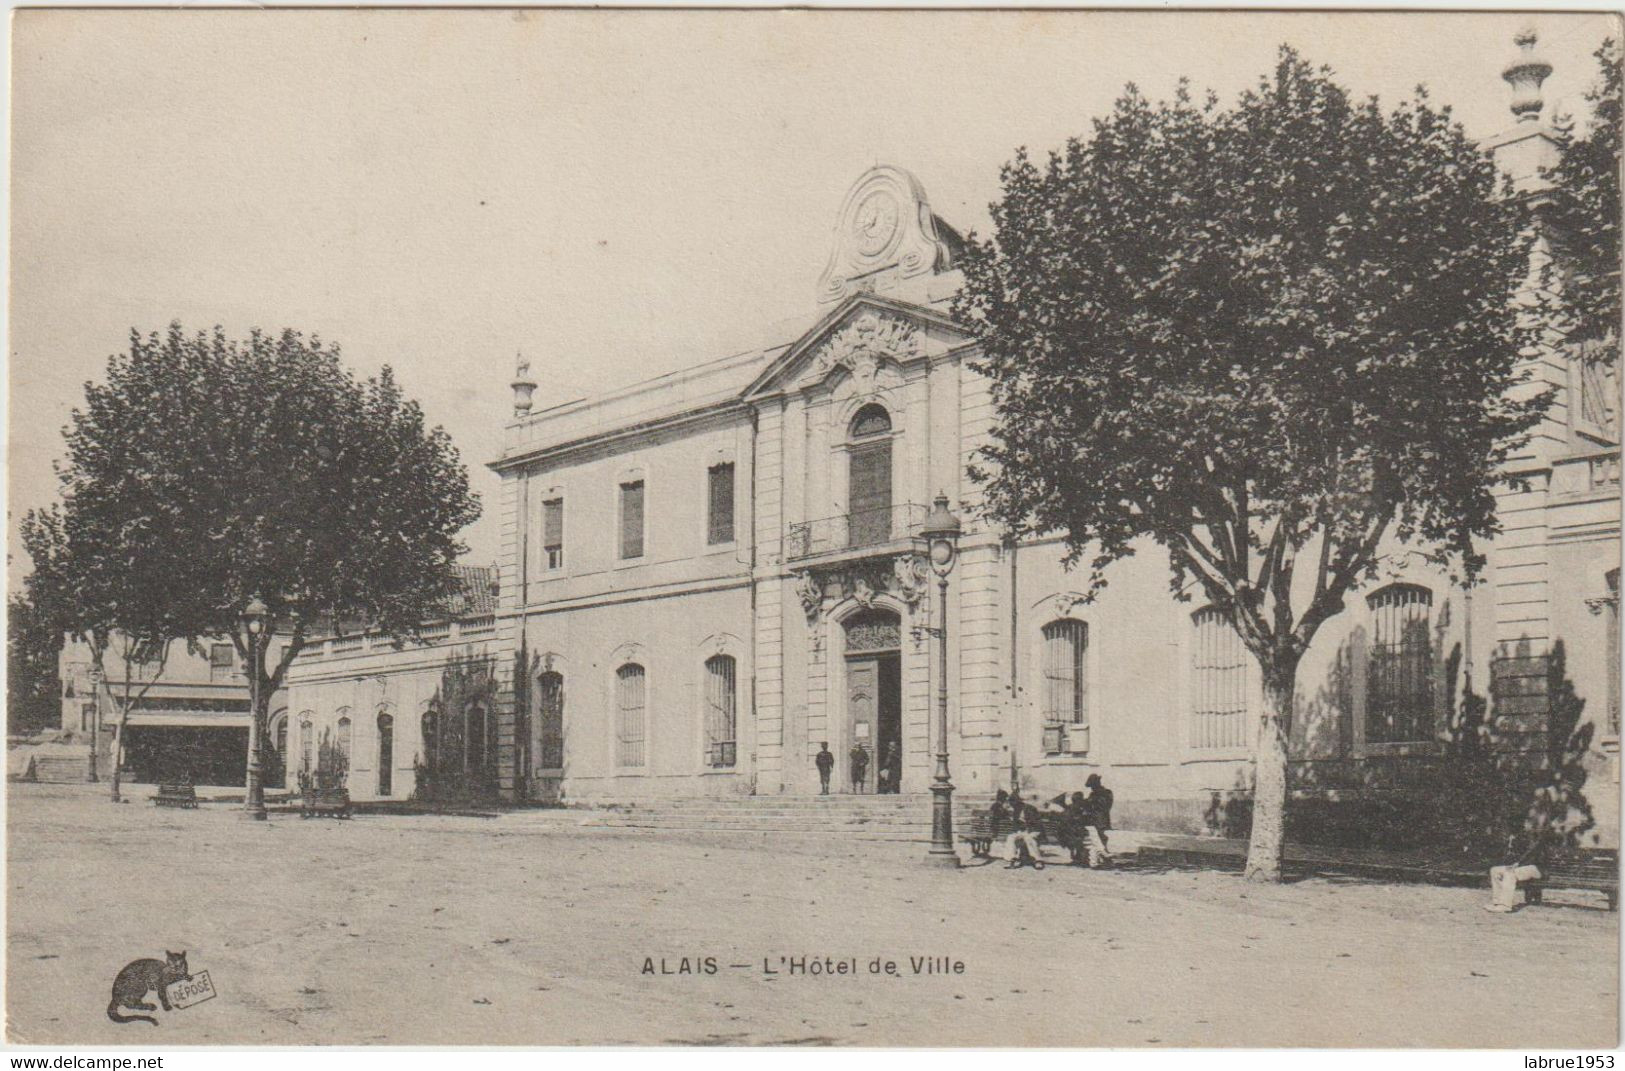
{"x": 523, "y": 385}
{"x": 1525, "y": 74}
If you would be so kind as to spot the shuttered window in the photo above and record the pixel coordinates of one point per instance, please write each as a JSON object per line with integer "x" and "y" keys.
{"x": 721, "y": 711}
{"x": 1399, "y": 680}
{"x": 720, "y": 511}
{"x": 553, "y": 533}
{"x": 1066, "y": 688}
{"x": 1218, "y": 682}
{"x": 870, "y": 494}
{"x": 631, "y": 714}
{"x": 632, "y": 519}
{"x": 222, "y": 662}
{"x": 550, "y": 713}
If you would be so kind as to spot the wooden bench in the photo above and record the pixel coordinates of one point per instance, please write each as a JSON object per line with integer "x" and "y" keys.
{"x": 335, "y": 804}
{"x": 1594, "y": 869}
{"x": 980, "y": 831}
{"x": 175, "y": 795}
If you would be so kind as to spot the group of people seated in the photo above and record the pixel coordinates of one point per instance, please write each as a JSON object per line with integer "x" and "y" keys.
{"x": 1082, "y": 820}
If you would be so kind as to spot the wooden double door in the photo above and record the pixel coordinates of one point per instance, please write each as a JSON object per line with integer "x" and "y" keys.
{"x": 874, "y": 709}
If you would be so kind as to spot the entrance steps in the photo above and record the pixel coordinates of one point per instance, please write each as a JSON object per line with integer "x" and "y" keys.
{"x": 900, "y": 817}
{"x": 61, "y": 769}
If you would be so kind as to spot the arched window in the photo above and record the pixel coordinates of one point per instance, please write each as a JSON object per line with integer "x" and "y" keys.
{"x": 1218, "y": 682}
{"x": 721, "y": 712}
{"x": 1611, "y": 611}
{"x": 630, "y": 714}
{"x": 344, "y": 740}
{"x": 550, "y": 716}
{"x": 279, "y": 734}
{"x": 386, "y": 754}
{"x": 431, "y": 737}
{"x": 474, "y": 757}
{"x": 1399, "y": 676}
{"x": 871, "y": 420}
{"x": 1066, "y": 684}
{"x": 869, "y": 502}
{"x": 307, "y": 744}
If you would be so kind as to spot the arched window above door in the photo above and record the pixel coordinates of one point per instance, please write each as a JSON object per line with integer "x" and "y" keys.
{"x": 871, "y": 420}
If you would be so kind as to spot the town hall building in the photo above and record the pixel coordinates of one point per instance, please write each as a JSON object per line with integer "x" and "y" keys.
{"x": 707, "y": 576}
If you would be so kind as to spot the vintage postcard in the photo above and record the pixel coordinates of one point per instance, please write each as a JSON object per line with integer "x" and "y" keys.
{"x": 865, "y": 528}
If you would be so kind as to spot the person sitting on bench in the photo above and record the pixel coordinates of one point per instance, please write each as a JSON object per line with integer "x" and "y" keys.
{"x": 1022, "y": 847}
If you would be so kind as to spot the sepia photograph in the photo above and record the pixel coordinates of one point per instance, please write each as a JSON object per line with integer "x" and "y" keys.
{"x": 787, "y": 527}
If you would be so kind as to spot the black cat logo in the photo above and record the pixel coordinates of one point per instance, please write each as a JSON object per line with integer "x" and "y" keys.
{"x": 143, "y": 976}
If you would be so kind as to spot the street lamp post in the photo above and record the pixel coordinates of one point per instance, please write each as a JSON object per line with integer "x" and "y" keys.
{"x": 95, "y": 718}
{"x": 941, "y": 533}
{"x": 255, "y": 616}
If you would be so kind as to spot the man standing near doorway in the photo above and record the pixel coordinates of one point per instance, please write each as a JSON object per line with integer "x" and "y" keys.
{"x": 825, "y": 763}
{"x": 860, "y": 765}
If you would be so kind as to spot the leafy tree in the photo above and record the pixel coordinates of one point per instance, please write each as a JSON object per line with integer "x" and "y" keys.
{"x": 1265, "y": 338}
{"x": 206, "y": 471}
{"x": 33, "y": 684}
{"x": 1588, "y": 209}
{"x": 80, "y": 585}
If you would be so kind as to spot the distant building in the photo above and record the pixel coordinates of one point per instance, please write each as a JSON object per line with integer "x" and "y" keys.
{"x": 191, "y": 722}
{"x": 394, "y": 709}
{"x": 708, "y": 574}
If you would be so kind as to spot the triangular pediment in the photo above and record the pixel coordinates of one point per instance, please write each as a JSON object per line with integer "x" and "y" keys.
{"x": 860, "y": 336}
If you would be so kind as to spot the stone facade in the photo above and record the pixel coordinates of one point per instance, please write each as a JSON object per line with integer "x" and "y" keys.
{"x": 386, "y": 705}
{"x": 817, "y": 604}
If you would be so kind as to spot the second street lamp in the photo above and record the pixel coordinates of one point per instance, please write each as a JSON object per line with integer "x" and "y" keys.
{"x": 941, "y": 535}
{"x": 255, "y": 616}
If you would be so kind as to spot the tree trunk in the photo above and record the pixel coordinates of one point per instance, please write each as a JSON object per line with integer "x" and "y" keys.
{"x": 116, "y": 774}
{"x": 1267, "y": 843}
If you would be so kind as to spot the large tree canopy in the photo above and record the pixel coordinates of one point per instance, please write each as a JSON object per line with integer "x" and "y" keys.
{"x": 1588, "y": 207}
{"x": 206, "y": 471}
{"x": 1247, "y": 332}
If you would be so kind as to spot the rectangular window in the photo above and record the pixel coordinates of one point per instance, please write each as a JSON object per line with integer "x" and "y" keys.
{"x": 1218, "y": 683}
{"x": 1066, "y": 687}
{"x": 1399, "y": 681}
{"x": 553, "y": 533}
{"x": 222, "y": 662}
{"x": 720, "y": 487}
{"x": 632, "y": 519}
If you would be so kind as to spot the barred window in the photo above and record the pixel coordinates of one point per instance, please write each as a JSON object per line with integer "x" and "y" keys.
{"x": 386, "y": 755}
{"x": 550, "y": 714}
{"x": 1066, "y": 688}
{"x": 632, "y": 519}
{"x": 553, "y": 533}
{"x": 630, "y": 715}
{"x": 720, "y": 494}
{"x": 721, "y": 711}
{"x": 1218, "y": 682}
{"x": 1399, "y": 680}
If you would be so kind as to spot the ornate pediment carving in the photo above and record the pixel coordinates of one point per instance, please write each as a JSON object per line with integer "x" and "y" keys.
{"x": 884, "y": 233}
{"x": 862, "y": 345}
{"x": 905, "y": 577}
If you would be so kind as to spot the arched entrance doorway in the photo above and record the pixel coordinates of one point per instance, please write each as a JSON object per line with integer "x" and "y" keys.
{"x": 874, "y": 700}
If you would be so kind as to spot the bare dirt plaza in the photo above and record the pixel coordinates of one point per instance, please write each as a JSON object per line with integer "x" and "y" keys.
{"x": 531, "y": 929}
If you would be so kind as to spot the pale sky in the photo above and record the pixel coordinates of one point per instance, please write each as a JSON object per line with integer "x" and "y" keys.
{"x": 617, "y": 194}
